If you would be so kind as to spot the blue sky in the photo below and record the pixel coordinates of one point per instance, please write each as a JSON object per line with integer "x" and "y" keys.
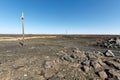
{"x": 60, "y": 16}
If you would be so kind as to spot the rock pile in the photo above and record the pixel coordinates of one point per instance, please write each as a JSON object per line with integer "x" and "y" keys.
{"x": 92, "y": 65}
{"x": 110, "y": 43}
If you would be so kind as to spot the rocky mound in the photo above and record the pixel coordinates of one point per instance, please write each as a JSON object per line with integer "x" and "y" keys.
{"x": 67, "y": 64}
{"x": 110, "y": 43}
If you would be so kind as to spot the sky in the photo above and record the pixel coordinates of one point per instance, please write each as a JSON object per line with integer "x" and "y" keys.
{"x": 60, "y": 16}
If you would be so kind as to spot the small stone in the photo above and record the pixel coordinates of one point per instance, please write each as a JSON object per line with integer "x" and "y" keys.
{"x": 41, "y": 78}
{"x": 76, "y": 50}
{"x": 103, "y": 75}
{"x": 25, "y": 75}
{"x": 86, "y": 62}
{"x": 82, "y": 59}
{"x": 90, "y": 55}
{"x": 73, "y": 56}
{"x": 75, "y": 65}
{"x": 68, "y": 58}
{"x": 109, "y": 53}
{"x": 111, "y": 40}
{"x": 95, "y": 65}
{"x": 48, "y": 73}
{"x": 59, "y": 74}
{"x": 48, "y": 64}
{"x": 85, "y": 68}
{"x": 8, "y": 51}
{"x": 101, "y": 62}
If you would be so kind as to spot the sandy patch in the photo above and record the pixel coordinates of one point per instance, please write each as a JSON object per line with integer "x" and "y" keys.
{"x": 19, "y": 38}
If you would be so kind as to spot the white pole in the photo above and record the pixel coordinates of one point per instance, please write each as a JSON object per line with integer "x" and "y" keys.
{"x": 22, "y": 18}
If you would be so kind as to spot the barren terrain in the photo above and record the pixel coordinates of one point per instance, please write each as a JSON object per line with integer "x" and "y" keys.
{"x": 58, "y": 57}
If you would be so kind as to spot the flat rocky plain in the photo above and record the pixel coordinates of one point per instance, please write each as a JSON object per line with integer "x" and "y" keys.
{"x": 59, "y": 57}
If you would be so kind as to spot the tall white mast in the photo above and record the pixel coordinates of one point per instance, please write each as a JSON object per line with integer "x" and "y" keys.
{"x": 22, "y": 18}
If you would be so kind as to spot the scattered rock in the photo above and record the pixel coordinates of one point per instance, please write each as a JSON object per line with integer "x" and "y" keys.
{"x": 110, "y": 43}
{"x": 102, "y": 75}
{"x": 109, "y": 53}
{"x": 113, "y": 64}
{"x": 67, "y": 65}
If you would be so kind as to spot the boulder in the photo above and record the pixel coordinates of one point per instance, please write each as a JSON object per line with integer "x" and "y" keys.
{"x": 109, "y": 53}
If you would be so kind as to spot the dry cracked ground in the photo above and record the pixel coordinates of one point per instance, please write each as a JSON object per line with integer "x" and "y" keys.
{"x": 60, "y": 57}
